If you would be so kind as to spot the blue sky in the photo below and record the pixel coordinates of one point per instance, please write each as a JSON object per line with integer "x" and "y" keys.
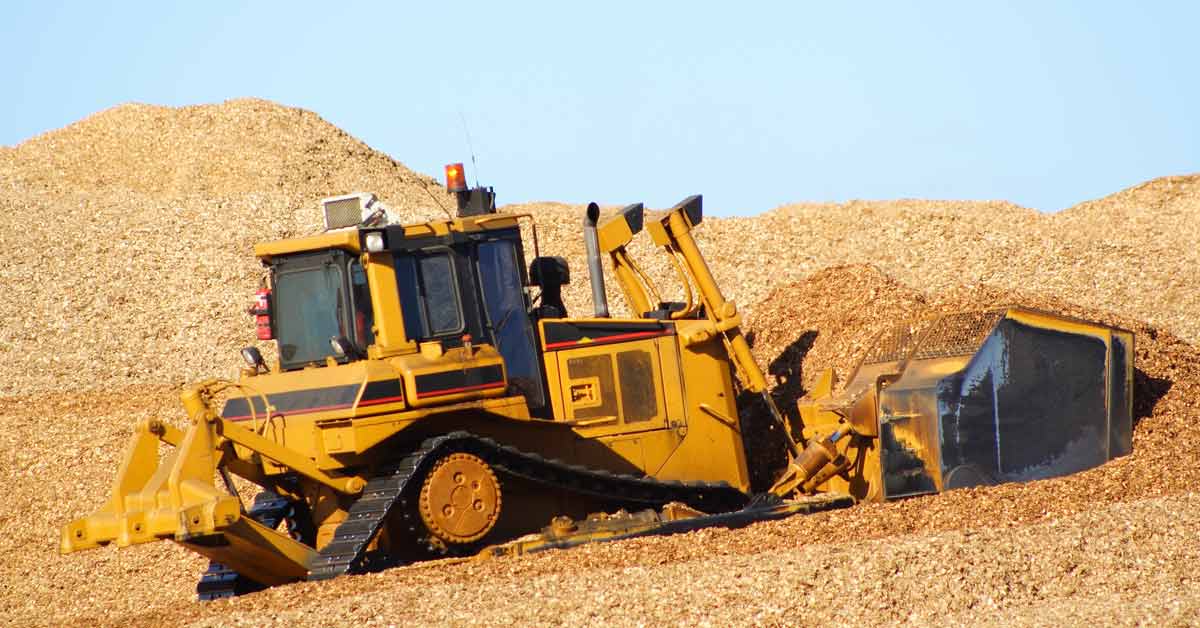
{"x": 1042, "y": 103}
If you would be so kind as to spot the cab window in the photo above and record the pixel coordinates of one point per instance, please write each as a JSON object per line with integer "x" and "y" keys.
{"x": 428, "y": 295}
{"x": 364, "y": 314}
{"x": 316, "y": 297}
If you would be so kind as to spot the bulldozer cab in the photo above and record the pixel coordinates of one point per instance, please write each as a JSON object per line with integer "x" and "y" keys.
{"x": 463, "y": 284}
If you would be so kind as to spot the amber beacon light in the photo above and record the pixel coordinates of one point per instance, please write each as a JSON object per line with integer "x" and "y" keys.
{"x": 456, "y": 180}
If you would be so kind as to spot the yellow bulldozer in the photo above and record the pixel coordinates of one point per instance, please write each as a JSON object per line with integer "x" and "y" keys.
{"x": 432, "y": 398}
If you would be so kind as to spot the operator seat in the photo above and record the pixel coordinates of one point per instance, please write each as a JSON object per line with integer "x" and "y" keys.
{"x": 551, "y": 274}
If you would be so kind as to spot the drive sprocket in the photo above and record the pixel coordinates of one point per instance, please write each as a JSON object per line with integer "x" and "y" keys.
{"x": 460, "y": 500}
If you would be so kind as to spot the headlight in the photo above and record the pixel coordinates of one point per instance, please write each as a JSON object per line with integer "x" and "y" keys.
{"x": 374, "y": 241}
{"x": 253, "y": 357}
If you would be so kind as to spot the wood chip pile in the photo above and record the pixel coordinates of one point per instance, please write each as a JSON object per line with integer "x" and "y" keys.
{"x": 128, "y": 235}
{"x": 128, "y": 238}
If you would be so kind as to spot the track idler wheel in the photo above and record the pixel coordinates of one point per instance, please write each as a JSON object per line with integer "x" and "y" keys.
{"x": 460, "y": 499}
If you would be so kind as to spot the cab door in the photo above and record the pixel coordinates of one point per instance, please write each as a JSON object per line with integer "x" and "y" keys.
{"x": 508, "y": 319}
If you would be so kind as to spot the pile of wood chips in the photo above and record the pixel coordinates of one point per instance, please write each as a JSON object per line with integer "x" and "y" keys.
{"x": 128, "y": 238}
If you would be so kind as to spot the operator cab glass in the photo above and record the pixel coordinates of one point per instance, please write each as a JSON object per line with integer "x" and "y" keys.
{"x": 474, "y": 288}
{"x": 320, "y": 296}
{"x": 500, "y": 268}
{"x": 429, "y": 295}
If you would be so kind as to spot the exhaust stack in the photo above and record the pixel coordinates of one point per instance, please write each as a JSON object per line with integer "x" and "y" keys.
{"x": 595, "y": 271}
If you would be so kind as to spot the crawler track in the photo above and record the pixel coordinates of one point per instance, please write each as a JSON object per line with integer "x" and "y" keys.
{"x": 397, "y": 487}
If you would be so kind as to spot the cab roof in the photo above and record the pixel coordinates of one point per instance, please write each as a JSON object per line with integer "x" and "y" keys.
{"x": 349, "y": 239}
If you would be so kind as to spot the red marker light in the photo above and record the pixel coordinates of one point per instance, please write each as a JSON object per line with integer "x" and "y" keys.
{"x": 456, "y": 179}
{"x": 262, "y": 314}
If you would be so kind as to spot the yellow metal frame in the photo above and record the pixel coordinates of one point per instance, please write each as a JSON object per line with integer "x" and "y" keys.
{"x": 346, "y": 240}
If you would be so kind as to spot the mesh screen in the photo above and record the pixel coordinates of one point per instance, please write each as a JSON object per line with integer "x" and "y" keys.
{"x": 944, "y": 336}
{"x": 956, "y": 334}
{"x": 345, "y": 212}
{"x": 892, "y": 344}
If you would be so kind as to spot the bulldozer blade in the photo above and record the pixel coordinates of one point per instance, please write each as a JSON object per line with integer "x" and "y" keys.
{"x": 1009, "y": 394}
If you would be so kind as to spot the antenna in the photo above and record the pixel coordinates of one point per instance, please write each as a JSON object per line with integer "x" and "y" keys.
{"x": 425, "y": 185}
{"x": 471, "y": 148}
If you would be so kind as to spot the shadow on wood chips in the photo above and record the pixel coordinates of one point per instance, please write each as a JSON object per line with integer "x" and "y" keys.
{"x": 1147, "y": 390}
{"x": 764, "y": 442}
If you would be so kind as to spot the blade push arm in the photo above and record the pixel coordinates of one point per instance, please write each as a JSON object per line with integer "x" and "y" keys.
{"x": 674, "y": 232}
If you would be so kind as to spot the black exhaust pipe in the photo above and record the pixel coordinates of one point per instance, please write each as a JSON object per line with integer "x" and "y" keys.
{"x": 595, "y": 271}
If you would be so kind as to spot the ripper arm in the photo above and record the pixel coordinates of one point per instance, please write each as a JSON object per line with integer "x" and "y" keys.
{"x": 177, "y": 498}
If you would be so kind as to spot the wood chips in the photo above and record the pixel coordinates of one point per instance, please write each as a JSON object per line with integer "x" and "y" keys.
{"x": 128, "y": 270}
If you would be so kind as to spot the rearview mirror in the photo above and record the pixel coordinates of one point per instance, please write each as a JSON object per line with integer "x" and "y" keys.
{"x": 341, "y": 346}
